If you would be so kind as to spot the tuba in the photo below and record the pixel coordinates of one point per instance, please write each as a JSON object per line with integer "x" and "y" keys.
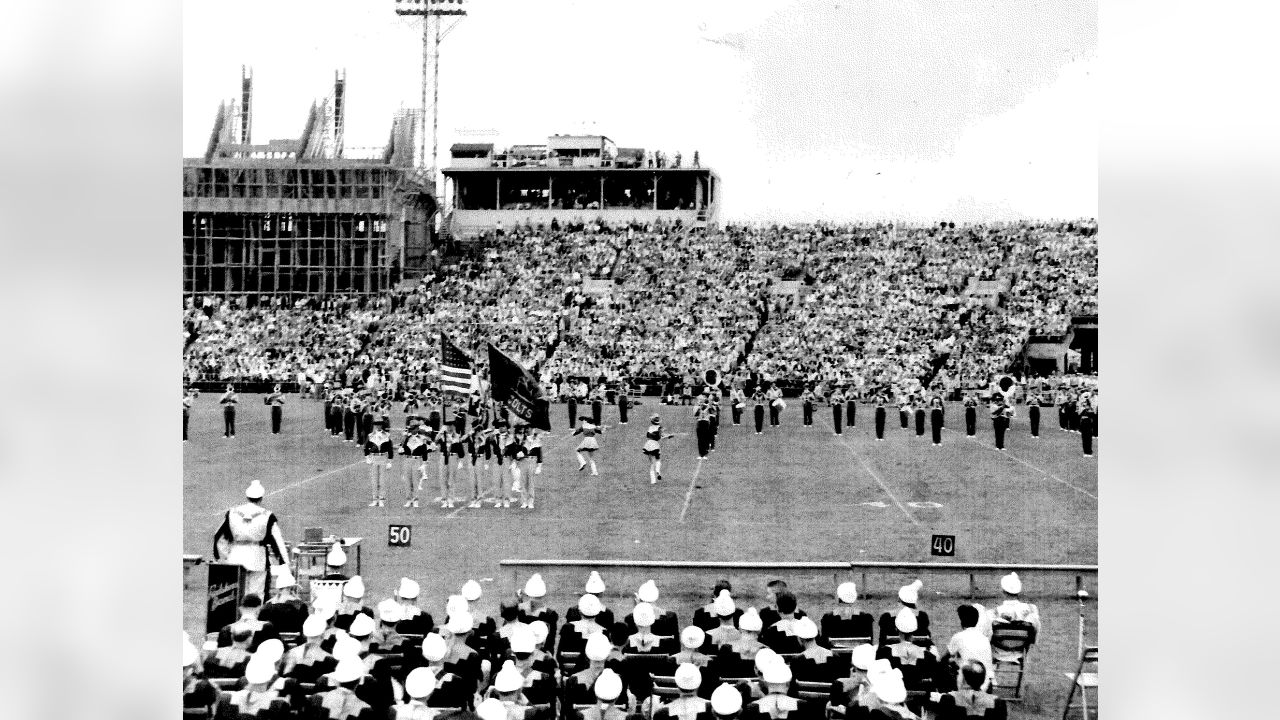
{"x": 712, "y": 377}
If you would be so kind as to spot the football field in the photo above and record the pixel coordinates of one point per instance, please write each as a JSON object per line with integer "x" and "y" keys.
{"x": 792, "y": 493}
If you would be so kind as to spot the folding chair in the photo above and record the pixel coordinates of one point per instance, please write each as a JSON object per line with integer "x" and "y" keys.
{"x": 1084, "y": 681}
{"x": 664, "y": 686}
{"x": 1015, "y": 638}
{"x": 816, "y": 692}
{"x": 196, "y": 713}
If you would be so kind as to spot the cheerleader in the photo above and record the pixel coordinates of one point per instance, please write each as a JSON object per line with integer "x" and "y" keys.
{"x": 416, "y": 451}
{"x": 1033, "y": 414}
{"x": 737, "y": 401}
{"x": 653, "y": 448}
{"x": 881, "y": 412}
{"x": 378, "y": 443}
{"x": 527, "y": 452}
{"x": 758, "y": 398}
{"x": 918, "y": 406}
{"x": 1001, "y": 414}
{"x": 836, "y": 400}
{"x": 533, "y": 448}
{"x": 588, "y": 430}
{"x": 228, "y": 401}
{"x": 970, "y": 415}
{"x": 1087, "y": 423}
{"x": 776, "y": 405}
{"x": 936, "y": 419}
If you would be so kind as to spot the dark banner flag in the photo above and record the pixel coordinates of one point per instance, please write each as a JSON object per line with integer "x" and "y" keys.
{"x": 518, "y": 388}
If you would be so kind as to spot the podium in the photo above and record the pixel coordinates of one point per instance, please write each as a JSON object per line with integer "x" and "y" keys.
{"x": 308, "y": 561}
{"x": 226, "y": 588}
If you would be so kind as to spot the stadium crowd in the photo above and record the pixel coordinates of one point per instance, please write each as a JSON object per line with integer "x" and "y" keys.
{"x": 339, "y": 655}
{"x": 877, "y": 307}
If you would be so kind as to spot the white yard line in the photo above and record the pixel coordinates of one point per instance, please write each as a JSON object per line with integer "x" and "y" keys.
{"x": 688, "y": 496}
{"x": 1017, "y": 459}
{"x": 315, "y": 477}
{"x": 880, "y": 482}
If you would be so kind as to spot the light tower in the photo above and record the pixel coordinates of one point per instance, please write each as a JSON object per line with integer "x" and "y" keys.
{"x": 428, "y": 9}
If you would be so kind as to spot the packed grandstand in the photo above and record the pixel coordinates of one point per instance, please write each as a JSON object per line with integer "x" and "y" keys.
{"x": 876, "y": 308}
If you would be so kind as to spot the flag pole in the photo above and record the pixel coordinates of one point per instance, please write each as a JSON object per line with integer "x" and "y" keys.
{"x": 443, "y": 401}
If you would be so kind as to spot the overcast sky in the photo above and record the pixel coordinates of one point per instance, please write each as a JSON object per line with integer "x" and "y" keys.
{"x": 844, "y": 109}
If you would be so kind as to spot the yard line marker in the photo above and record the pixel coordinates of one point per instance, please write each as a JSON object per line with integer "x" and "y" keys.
{"x": 878, "y": 480}
{"x": 315, "y": 477}
{"x": 688, "y": 496}
{"x": 1015, "y": 458}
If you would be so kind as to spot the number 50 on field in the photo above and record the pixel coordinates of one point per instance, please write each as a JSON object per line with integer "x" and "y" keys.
{"x": 399, "y": 535}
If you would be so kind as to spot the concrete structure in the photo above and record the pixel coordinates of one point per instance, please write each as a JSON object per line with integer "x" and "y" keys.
{"x": 573, "y": 177}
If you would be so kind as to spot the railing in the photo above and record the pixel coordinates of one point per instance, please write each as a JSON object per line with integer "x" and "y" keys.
{"x": 857, "y": 569}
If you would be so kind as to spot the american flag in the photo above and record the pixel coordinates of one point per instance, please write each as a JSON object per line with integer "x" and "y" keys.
{"x": 455, "y": 367}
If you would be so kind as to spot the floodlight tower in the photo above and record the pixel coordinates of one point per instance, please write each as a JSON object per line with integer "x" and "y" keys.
{"x": 428, "y": 9}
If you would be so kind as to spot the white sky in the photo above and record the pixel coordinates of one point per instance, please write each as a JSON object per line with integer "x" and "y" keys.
{"x": 843, "y": 109}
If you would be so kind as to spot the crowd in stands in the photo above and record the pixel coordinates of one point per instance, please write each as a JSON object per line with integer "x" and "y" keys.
{"x": 340, "y": 655}
{"x": 877, "y": 307}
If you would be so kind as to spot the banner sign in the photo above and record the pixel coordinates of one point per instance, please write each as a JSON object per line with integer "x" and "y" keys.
{"x": 518, "y": 388}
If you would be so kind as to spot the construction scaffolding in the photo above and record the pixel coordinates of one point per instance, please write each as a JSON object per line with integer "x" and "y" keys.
{"x": 295, "y": 215}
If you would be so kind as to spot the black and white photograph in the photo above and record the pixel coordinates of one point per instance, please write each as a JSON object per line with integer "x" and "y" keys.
{"x": 573, "y": 360}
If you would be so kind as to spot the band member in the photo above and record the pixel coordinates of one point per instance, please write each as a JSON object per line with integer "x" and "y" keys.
{"x": 702, "y": 426}
{"x": 737, "y": 401}
{"x": 851, "y": 408}
{"x": 624, "y": 404}
{"x": 375, "y": 446}
{"x": 970, "y": 415}
{"x": 1033, "y": 414}
{"x": 758, "y": 398}
{"x": 250, "y": 536}
{"x": 918, "y": 407}
{"x": 1073, "y": 414}
{"x": 1001, "y": 414}
{"x": 188, "y": 400}
{"x": 327, "y": 394}
{"x": 597, "y": 404}
{"x": 533, "y": 448}
{"x": 904, "y": 412}
{"x": 456, "y": 462}
{"x": 776, "y": 405}
{"x": 713, "y": 404}
{"x": 416, "y": 451}
{"x": 1087, "y": 424}
{"x": 880, "y": 417}
{"x": 573, "y": 405}
{"x": 334, "y": 420}
{"x": 653, "y": 448}
{"x": 807, "y": 400}
{"x": 936, "y": 419}
{"x": 366, "y": 417}
{"x": 589, "y": 445}
{"x": 836, "y": 399}
{"x": 276, "y": 401}
{"x": 228, "y": 402}
{"x": 480, "y": 452}
{"x": 351, "y": 409}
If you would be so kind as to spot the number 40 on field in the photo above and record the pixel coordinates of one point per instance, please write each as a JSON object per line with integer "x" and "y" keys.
{"x": 944, "y": 545}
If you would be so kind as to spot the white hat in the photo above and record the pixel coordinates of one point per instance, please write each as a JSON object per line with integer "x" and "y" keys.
{"x": 354, "y": 588}
{"x": 688, "y": 676}
{"x": 540, "y": 631}
{"x": 460, "y": 623}
{"x": 521, "y": 639}
{"x": 314, "y": 626}
{"x": 766, "y": 657}
{"x": 805, "y": 629}
{"x": 589, "y": 605}
{"x": 648, "y": 592}
{"x": 723, "y": 605}
{"x": 433, "y": 647}
{"x": 879, "y": 667}
{"x": 889, "y": 687}
{"x": 350, "y": 668}
{"x": 325, "y": 607}
{"x": 906, "y": 621}
{"x": 456, "y": 604}
{"x": 750, "y": 621}
{"x": 420, "y": 682}
{"x": 847, "y": 593}
{"x": 863, "y": 656}
{"x": 910, "y": 593}
{"x": 598, "y": 647}
{"x": 408, "y": 589}
{"x": 508, "y": 678}
{"x": 692, "y": 637}
{"x": 491, "y": 709}
{"x": 271, "y": 650}
{"x": 776, "y": 673}
{"x": 389, "y": 611}
{"x": 535, "y": 587}
{"x": 595, "y": 583}
{"x": 336, "y": 557}
{"x": 726, "y": 700}
{"x": 189, "y": 654}
{"x": 644, "y": 615}
{"x": 471, "y": 591}
{"x": 259, "y": 671}
{"x": 608, "y": 685}
{"x": 284, "y": 579}
{"x": 346, "y": 646}
{"x": 1011, "y": 584}
{"x": 361, "y": 626}
{"x": 254, "y": 491}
